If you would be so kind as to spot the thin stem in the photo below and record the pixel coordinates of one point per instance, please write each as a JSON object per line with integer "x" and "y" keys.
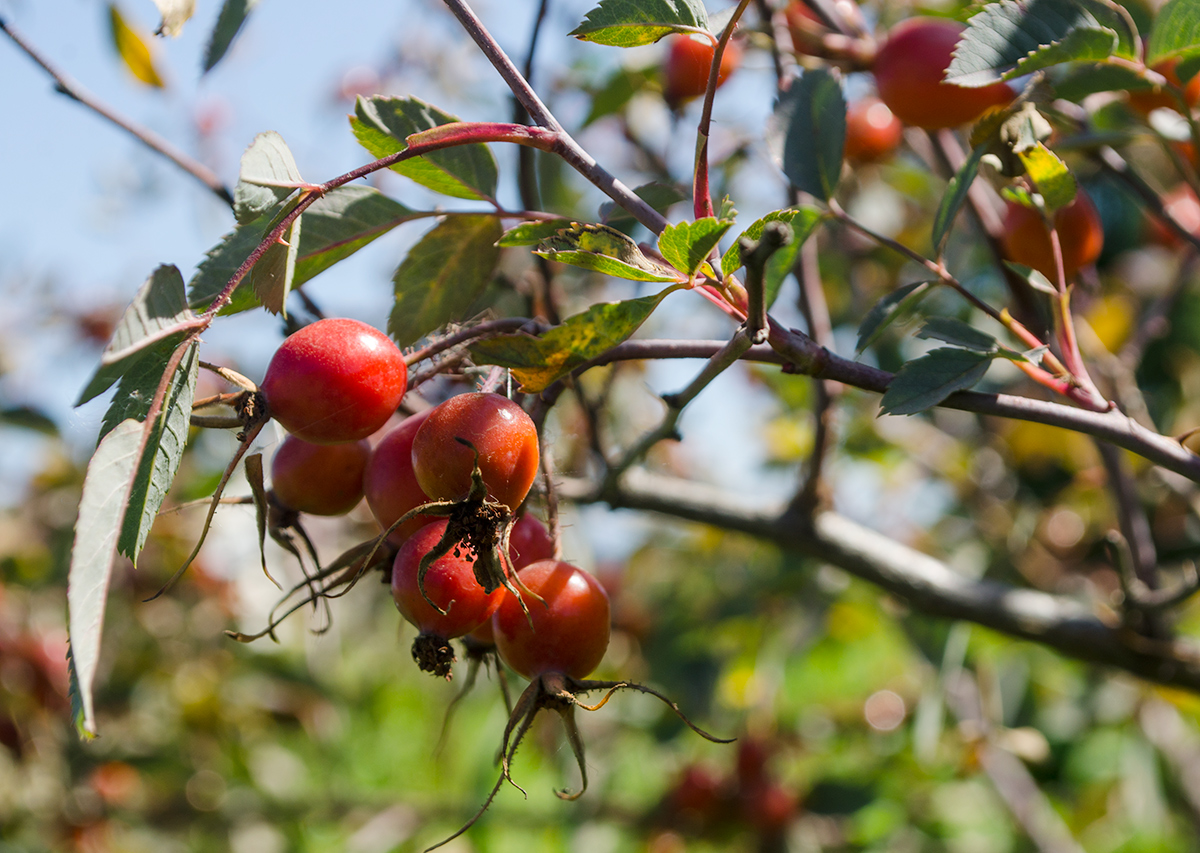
{"x": 720, "y": 361}
{"x": 701, "y": 191}
{"x": 570, "y": 150}
{"x": 147, "y": 137}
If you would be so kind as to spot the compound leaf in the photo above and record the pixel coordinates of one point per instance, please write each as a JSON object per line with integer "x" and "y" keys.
{"x": 443, "y": 275}
{"x": 538, "y": 361}
{"x": 807, "y": 133}
{"x": 629, "y": 23}
{"x": 930, "y": 379}
{"x": 382, "y": 125}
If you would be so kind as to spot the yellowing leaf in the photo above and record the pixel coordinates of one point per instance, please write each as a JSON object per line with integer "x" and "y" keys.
{"x": 133, "y": 50}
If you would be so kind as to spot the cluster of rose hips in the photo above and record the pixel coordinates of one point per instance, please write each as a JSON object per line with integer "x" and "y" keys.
{"x": 337, "y": 381}
{"x": 446, "y": 486}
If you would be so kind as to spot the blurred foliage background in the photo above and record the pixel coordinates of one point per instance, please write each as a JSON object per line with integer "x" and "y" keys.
{"x": 862, "y": 726}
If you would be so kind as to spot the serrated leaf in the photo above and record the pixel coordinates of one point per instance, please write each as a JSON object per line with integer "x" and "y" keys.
{"x": 629, "y": 23}
{"x": 1176, "y": 32}
{"x": 132, "y": 49}
{"x": 1002, "y": 35}
{"x": 1081, "y": 45}
{"x": 175, "y": 13}
{"x": 229, "y": 23}
{"x": 538, "y": 361}
{"x": 382, "y": 125}
{"x": 618, "y": 90}
{"x": 954, "y": 196}
{"x": 1054, "y": 181}
{"x": 165, "y": 441}
{"x": 157, "y": 317}
{"x": 532, "y": 233}
{"x": 658, "y": 195}
{"x": 899, "y": 303}
{"x": 686, "y": 245}
{"x": 443, "y": 275}
{"x": 335, "y": 226}
{"x": 604, "y": 250}
{"x": 102, "y": 508}
{"x": 1090, "y": 78}
{"x": 930, "y": 379}
{"x": 1033, "y": 278}
{"x": 272, "y": 277}
{"x": 268, "y": 174}
{"x": 732, "y": 261}
{"x": 954, "y": 331}
{"x": 807, "y": 133}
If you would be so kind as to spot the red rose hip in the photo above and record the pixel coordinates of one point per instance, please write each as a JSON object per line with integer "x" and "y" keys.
{"x": 567, "y": 632}
{"x": 320, "y": 479}
{"x": 335, "y": 380}
{"x": 497, "y": 428}
{"x": 391, "y": 485}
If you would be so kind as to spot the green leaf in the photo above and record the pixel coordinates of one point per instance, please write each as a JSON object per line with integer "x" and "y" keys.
{"x": 954, "y": 196}
{"x": 807, "y": 133}
{"x": 272, "y": 277}
{"x": 443, "y": 274}
{"x": 930, "y": 379}
{"x": 802, "y": 219}
{"x": 629, "y": 23}
{"x": 1033, "y": 278}
{"x": 268, "y": 174}
{"x": 604, "y": 250}
{"x": 1003, "y": 35}
{"x": 27, "y": 417}
{"x": 157, "y": 317}
{"x": 1090, "y": 78}
{"x": 618, "y": 90}
{"x": 532, "y": 233}
{"x": 165, "y": 441}
{"x": 658, "y": 195}
{"x": 175, "y": 13}
{"x": 953, "y": 331}
{"x": 335, "y": 226}
{"x": 106, "y": 488}
{"x": 538, "y": 361}
{"x": 1076, "y": 46}
{"x": 229, "y": 23}
{"x": 132, "y": 49}
{"x": 901, "y": 302}
{"x": 382, "y": 125}
{"x": 686, "y": 245}
{"x": 1054, "y": 181}
{"x": 1176, "y": 32}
